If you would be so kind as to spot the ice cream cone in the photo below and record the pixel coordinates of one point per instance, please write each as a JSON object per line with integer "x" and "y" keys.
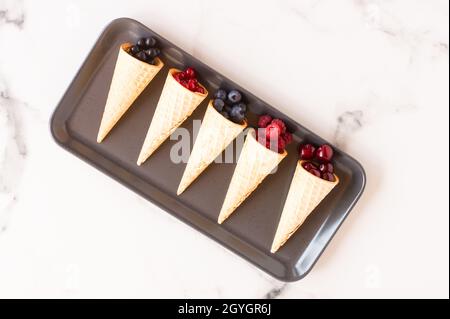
{"x": 215, "y": 134}
{"x": 305, "y": 193}
{"x": 131, "y": 76}
{"x": 175, "y": 105}
{"x": 254, "y": 164}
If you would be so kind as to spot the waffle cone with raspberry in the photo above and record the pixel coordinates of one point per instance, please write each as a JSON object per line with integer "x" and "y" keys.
{"x": 305, "y": 193}
{"x": 131, "y": 76}
{"x": 175, "y": 105}
{"x": 215, "y": 134}
{"x": 254, "y": 164}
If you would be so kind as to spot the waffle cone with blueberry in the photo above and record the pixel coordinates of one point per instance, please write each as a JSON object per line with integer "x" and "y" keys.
{"x": 309, "y": 186}
{"x": 255, "y": 163}
{"x": 215, "y": 134}
{"x": 131, "y": 76}
{"x": 179, "y": 98}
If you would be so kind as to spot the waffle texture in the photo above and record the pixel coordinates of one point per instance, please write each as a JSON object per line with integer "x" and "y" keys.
{"x": 254, "y": 164}
{"x": 175, "y": 105}
{"x": 131, "y": 76}
{"x": 215, "y": 134}
{"x": 305, "y": 193}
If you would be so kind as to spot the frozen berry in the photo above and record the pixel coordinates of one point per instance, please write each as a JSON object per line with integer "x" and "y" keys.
{"x": 200, "y": 90}
{"x": 307, "y": 151}
{"x": 287, "y": 137}
{"x": 225, "y": 114}
{"x": 190, "y": 73}
{"x": 264, "y": 120}
{"x": 221, "y": 94}
{"x": 328, "y": 177}
{"x": 237, "y": 114}
{"x": 218, "y": 104}
{"x": 151, "y": 52}
{"x": 324, "y": 153}
{"x": 242, "y": 106}
{"x": 234, "y": 96}
{"x": 149, "y": 42}
{"x": 141, "y": 44}
{"x": 134, "y": 50}
{"x": 281, "y": 145}
{"x": 141, "y": 56}
{"x": 261, "y": 135}
{"x": 280, "y": 123}
{"x": 192, "y": 84}
{"x": 177, "y": 77}
{"x": 273, "y": 131}
{"x": 308, "y": 166}
{"x": 315, "y": 172}
{"x": 326, "y": 168}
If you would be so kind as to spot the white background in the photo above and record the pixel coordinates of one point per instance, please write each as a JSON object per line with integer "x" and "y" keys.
{"x": 383, "y": 64}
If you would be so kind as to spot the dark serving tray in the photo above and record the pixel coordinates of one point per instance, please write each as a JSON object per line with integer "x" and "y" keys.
{"x": 250, "y": 230}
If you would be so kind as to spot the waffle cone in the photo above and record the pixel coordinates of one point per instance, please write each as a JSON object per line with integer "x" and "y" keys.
{"x": 215, "y": 134}
{"x": 254, "y": 164}
{"x": 175, "y": 105}
{"x": 130, "y": 78}
{"x": 305, "y": 193}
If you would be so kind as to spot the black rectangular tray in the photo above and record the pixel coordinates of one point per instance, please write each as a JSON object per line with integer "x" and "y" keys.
{"x": 250, "y": 230}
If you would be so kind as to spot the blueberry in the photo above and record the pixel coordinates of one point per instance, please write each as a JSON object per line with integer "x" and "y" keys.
{"x": 150, "y": 60}
{"x": 141, "y": 44}
{"x": 234, "y": 96}
{"x": 151, "y": 52}
{"x": 149, "y": 42}
{"x": 157, "y": 51}
{"x": 225, "y": 114}
{"x": 242, "y": 106}
{"x": 218, "y": 104}
{"x": 227, "y": 108}
{"x": 141, "y": 56}
{"x": 221, "y": 94}
{"x": 134, "y": 50}
{"x": 237, "y": 114}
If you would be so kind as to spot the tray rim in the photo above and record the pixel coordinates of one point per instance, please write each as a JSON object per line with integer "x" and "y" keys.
{"x": 64, "y": 140}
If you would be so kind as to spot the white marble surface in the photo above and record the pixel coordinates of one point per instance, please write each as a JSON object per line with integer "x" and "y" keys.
{"x": 372, "y": 76}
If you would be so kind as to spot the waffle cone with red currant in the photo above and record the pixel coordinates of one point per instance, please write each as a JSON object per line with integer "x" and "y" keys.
{"x": 179, "y": 98}
{"x": 310, "y": 185}
{"x": 134, "y": 70}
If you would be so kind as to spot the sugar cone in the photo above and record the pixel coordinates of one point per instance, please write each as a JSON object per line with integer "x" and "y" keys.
{"x": 254, "y": 164}
{"x": 305, "y": 193}
{"x": 215, "y": 134}
{"x": 130, "y": 78}
{"x": 175, "y": 105}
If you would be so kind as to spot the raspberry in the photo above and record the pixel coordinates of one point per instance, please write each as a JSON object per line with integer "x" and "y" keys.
{"x": 264, "y": 120}
{"x": 281, "y": 124}
{"x": 273, "y": 131}
{"x": 287, "y": 137}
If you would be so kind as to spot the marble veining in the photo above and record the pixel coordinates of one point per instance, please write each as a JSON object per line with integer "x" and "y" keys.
{"x": 275, "y": 292}
{"x": 13, "y": 152}
{"x": 11, "y": 12}
{"x": 347, "y": 123}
